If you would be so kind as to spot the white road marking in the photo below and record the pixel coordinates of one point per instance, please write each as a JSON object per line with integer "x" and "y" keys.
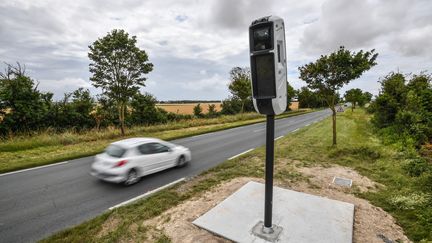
{"x": 295, "y": 130}
{"x": 258, "y": 130}
{"x": 307, "y": 125}
{"x": 146, "y": 194}
{"x": 34, "y": 168}
{"x": 279, "y": 137}
{"x": 235, "y": 156}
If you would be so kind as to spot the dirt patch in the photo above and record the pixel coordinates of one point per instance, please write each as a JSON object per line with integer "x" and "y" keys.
{"x": 110, "y": 224}
{"x": 323, "y": 176}
{"x": 372, "y": 224}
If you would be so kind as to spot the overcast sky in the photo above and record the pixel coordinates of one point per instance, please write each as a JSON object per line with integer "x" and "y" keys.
{"x": 193, "y": 44}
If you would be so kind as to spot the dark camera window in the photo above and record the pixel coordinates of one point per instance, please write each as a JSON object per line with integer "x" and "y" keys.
{"x": 278, "y": 52}
{"x": 265, "y": 76}
{"x": 262, "y": 38}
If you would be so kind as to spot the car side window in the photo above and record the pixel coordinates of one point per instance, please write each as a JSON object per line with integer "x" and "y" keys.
{"x": 158, "y": 148}
{"x": 145, "y": 149}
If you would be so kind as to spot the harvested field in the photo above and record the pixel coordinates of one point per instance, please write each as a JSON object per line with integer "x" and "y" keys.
{"x": 187, "y": 108}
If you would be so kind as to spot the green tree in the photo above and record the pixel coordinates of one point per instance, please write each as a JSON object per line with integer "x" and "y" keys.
{"x": 391, "y": 99}
{"x": 366, "y": 98}
{"x": 197, "y": 110}
{"x": 291, "y": 94}
{"x": 240, "y": 86}
{"x": 212, "y": 111}
{"x": 404, "y": 109}
{"x": 118, "y": 67}
{"x": 309, "y": 99}
{"x": 144, "y": 110}
{"x": 355, "y": 96}
{"x": 331, "y": 72}
{"x": 22, "y": 106}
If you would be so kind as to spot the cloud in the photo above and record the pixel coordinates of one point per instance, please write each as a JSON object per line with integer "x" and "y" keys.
{"x": 208, "y": 84}
{"x": 399, "y": 25}
{"x": 183, "y": 38}
{"x": 71, "y": 84}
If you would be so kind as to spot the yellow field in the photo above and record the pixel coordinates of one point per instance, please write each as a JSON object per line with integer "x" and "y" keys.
{"x": 187, "y": 109}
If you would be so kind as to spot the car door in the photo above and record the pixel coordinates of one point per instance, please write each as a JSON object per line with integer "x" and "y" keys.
{"x": 148, "y": 160}
{"x": 165, "y": 157}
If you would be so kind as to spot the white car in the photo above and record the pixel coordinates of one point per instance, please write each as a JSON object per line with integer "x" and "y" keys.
{"x": 126, "y": 161}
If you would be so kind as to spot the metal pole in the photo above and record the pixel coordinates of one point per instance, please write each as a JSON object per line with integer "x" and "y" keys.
{"x": 269, "y": 175}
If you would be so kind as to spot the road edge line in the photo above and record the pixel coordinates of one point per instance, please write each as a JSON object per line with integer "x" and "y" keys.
{"x": 147, "y": 194}
{"x": 235, "y": 156}
{"x": 34, "y": 168}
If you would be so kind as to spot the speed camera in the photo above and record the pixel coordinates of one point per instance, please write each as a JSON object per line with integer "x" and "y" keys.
{"x": 268, "y": 65}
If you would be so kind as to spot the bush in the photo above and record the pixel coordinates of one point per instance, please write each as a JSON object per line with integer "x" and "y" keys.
{"x": 416, "y": 167}
{"x": 197, "y": 110}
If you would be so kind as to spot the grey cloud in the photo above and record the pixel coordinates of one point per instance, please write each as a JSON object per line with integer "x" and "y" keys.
{"x": 237, "y": 15}
{"x": 357, "y": 24}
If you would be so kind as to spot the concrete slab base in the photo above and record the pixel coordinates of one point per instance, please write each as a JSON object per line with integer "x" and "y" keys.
{"x": 303, "y": 217}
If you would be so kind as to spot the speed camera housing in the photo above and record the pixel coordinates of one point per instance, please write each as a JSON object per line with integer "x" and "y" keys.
{"x": 268, "y": 65}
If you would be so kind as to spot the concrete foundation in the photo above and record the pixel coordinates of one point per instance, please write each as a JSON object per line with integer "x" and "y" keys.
{"x": 300, "y": 217}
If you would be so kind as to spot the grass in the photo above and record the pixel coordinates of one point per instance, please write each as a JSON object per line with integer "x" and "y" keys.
{"x": 403, "y": 196}
{"x": 48, "y": 147}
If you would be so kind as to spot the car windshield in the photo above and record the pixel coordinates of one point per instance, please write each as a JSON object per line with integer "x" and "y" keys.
{"x": 171, "y": 145}
{"x": 115, "y": 151}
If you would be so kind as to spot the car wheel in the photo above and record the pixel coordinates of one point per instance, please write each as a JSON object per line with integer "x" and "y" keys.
{"x": 181, "y": 161}
{"x": 132, "y": 177}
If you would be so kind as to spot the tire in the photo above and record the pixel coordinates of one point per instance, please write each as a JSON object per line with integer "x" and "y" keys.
{"x": 132, "y": 178}
{"x": 181, "y": 161}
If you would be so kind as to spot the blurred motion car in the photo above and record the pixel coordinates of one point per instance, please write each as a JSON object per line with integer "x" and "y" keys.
{"x": 126, "y": 161}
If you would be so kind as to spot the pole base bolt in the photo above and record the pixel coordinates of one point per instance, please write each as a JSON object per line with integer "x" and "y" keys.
{"x": 270, "y": 234}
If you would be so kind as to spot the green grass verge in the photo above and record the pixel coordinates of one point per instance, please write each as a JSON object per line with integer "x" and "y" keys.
{"x": 47, "y": 148}
{"x": 357, "y": 148}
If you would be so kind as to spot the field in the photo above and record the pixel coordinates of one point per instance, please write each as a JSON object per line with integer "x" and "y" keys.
{"x": 187, "y": 109}
{"x": 359, "y": 152}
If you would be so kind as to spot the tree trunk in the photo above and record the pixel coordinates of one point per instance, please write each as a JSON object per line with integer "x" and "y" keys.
{"x": 334, "y": 125}
{"x": 352, "y": 107}
{"x": 242, "y": 107}
{"x": 121, "y": 118}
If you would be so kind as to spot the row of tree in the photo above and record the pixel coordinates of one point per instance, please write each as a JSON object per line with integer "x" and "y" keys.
{"x": 23, "y": 108}
{"x": 404, "y": 107}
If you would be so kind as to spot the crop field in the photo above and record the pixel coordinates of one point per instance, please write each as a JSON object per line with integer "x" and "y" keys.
{"x": 187, "y": 108}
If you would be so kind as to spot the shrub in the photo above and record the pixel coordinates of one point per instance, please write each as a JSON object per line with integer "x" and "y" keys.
{"x": 416, "y": 167}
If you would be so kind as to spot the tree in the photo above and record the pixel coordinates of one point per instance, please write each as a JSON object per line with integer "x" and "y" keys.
{"x": 291, "y": 93}
{"x": 144, "y": 110}
{"x": 391, "y": 99}
{"x": 330, "y": 73}
{"x": 355, "y": 96}
{"x": 212, "y": 112}
{"x": 197, "y": 110}
{"x": 22, "y": 106}
{"x": 118, "y": 67}
{"x": 405, "y": 108}
{"x": 104, "y": 112}
{"x": 309, "y": 99}
{"x": 240, "y": 86}
{"x": 366, "y": 98}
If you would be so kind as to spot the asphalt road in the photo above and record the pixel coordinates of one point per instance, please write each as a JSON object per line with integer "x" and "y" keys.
{"x": 36, "y": 203}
